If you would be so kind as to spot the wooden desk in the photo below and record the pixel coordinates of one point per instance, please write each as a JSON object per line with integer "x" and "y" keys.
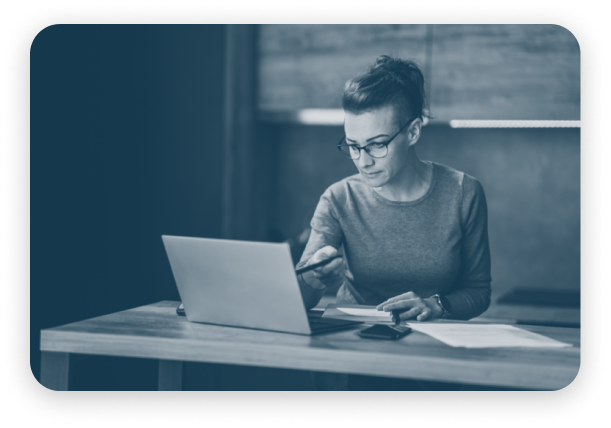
{"x": 531, "y": 314}
{"x": 155, "y": 331}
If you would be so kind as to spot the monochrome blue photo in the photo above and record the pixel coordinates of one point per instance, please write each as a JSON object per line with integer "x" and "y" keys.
{"x": 305, "y": 207}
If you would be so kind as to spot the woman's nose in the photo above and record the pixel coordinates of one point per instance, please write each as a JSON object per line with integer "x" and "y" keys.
{"x": 365, "y": 159}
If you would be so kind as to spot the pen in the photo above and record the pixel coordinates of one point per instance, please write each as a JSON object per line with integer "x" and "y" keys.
{"x": 315, "y": 265}
{"x": 395, "y": 317}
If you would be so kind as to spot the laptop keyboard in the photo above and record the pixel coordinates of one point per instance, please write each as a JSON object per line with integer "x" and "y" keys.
{"x": 317, "y": 323}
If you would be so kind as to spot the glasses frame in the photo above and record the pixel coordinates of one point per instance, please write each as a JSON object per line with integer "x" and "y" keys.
{"x": 340, "y": 145}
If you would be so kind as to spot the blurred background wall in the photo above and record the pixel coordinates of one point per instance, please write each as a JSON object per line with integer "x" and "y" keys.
{"x": 138, "y": 131}
{"x": 126, "y": 145}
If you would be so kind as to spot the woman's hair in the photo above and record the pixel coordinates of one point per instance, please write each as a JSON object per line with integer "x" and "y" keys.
{"x": 389, "y": 82}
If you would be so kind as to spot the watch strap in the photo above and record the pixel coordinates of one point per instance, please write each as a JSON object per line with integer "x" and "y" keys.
{"x": 444, "y": 304}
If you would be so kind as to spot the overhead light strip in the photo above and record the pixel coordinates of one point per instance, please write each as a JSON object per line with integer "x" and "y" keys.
{"x": 319, "y": 116}
{"x": 515, "y": 123}
{"x": 335, "y": 117}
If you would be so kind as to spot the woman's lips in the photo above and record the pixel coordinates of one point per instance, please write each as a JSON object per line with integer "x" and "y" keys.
{"x": 371, "y": 174}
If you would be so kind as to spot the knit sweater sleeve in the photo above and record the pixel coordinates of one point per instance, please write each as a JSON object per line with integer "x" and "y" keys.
{"x": 326, "y": 230}
{"x": 471, "y": 295}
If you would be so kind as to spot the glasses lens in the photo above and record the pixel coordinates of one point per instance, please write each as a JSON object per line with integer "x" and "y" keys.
{"x": 373, "y": 150}
{"x": 354, "y": 152}
{"x": 349, "y": 151}
{"x": 377, "y": 150}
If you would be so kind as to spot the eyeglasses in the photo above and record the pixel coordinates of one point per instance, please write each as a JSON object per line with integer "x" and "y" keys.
{"x": 375, "y": 150}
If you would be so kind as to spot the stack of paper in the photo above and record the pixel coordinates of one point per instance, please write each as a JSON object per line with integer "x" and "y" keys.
{"x": 485, "y": 335}
{"x": 358, "y": 313}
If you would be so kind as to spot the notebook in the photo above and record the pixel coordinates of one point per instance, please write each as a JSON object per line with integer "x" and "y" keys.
{"x": 242, "y": 284}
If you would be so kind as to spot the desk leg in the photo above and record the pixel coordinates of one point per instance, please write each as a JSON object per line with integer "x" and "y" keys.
{"x": 54, "y": 370}
{"x": 170, "y": 375}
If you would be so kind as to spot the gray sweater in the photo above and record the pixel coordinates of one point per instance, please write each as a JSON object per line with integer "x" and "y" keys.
{"x": 437, "y": 244}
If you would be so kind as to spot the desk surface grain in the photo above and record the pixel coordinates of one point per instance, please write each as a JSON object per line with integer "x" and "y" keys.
{"x": 155, "y": 331}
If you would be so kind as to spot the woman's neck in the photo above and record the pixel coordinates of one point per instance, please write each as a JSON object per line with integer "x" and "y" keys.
{"x": 411, "y": 184}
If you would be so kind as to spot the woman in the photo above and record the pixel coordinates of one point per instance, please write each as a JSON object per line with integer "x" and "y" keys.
{"x": 414, "y": 232}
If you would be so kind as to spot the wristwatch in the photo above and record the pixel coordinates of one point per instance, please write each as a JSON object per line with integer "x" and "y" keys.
{"x": 444, "y": 304}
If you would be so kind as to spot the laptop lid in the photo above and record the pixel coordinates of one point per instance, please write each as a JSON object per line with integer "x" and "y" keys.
{"x": 237, "y": 283}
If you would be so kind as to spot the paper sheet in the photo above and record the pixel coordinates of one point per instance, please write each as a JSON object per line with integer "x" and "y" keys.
{"x": 485, "y": 335}
{"x": 365, "y": 312}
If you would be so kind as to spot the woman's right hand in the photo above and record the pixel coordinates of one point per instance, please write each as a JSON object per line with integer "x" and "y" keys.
{"x": 331, "y": 274}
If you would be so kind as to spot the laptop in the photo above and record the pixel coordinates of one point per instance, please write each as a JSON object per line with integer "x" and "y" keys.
{"x": 242, "y": 284}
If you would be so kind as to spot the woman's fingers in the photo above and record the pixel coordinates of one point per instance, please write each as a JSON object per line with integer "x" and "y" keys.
{"x": 404, "y": 296}
{"x": 333, "y": 269}
{"x": 411, "y": 313}
{"x": 332, "y": 273}
{"x": 391, "y": 300}
{"x": 402, "y": 305}
{"x": 425, "y": 315}
{"x": 324, "y": 254}
{"x": 409, "y": 308}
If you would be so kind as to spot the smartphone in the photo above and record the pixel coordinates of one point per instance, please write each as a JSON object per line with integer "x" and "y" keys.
{"x": 383, "y": 331}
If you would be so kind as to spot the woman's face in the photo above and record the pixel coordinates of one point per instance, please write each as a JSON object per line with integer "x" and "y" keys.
{"x": 378, "y": 126}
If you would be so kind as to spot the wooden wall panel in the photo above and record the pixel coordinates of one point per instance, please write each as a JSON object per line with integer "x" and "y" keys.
{"x": 306, "y": 66}
{"x": 528, "y": 72}
{"x": 505, "y": 72}
{"x": 247, "y": 156}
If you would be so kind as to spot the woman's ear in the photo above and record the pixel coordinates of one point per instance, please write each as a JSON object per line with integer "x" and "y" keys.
{"x": 413, "y": 131}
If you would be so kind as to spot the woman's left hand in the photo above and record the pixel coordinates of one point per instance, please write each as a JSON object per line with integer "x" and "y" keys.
{"x": 411, "y": 306}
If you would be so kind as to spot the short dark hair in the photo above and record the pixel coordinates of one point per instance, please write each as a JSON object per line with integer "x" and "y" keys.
{"x": 389, "y": 81}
